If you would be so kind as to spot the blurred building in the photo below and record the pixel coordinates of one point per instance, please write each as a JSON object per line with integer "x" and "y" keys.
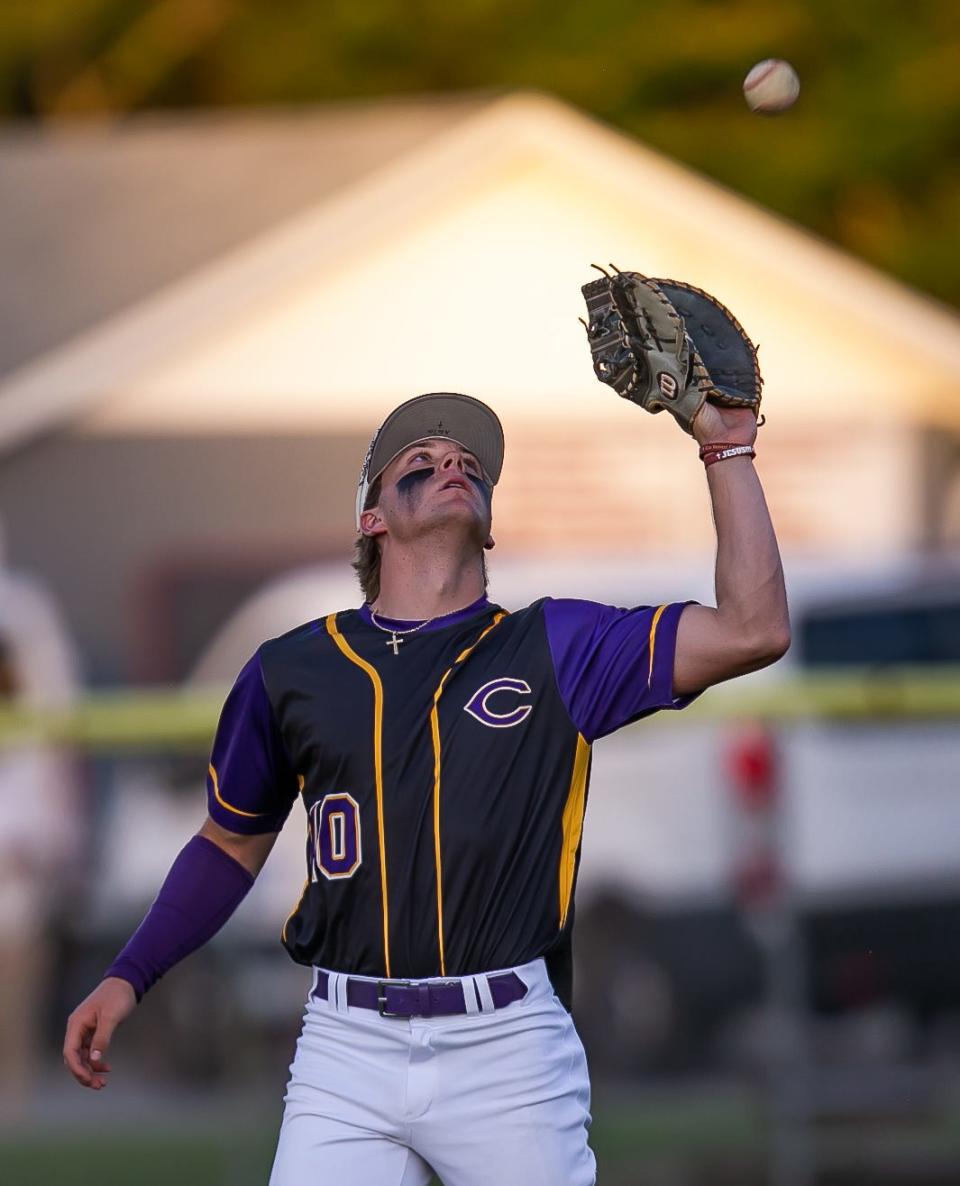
{"x": 205, "y": 316}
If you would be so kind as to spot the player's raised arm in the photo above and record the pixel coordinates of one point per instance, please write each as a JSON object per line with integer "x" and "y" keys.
{"x": 669, "y": 346}
{"x": 250, "y": 789}
{"x": 750, "y": 627}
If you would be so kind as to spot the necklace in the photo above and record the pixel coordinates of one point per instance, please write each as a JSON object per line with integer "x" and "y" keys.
{"x": 396, "y": 636}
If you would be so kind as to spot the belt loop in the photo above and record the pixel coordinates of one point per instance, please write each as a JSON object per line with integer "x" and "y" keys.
{"x": 424, "y": 1003}
{"x": 470, "y": 1001}
{"x": 484, "y": 994}
{"x": 314, "y": 977}
{"x": 337, "y": 991}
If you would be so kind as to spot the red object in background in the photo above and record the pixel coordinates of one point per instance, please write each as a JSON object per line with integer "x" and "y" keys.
{"x": 753, "y": 774}
{"x": 757, "y": 880}
{"x": 753, "y": 771}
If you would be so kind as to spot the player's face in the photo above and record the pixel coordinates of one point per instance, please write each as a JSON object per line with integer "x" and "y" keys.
{"x": 431, "y": 483}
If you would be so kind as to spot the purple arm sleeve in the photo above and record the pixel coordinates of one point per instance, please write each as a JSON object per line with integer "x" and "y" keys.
{"x": 613, "y": 666}
{"x": 251, "y": 785}
{"x": 203, "y": 888}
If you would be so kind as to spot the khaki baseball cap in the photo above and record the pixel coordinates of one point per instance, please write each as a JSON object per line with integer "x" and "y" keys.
{"x": 446, "y": 414}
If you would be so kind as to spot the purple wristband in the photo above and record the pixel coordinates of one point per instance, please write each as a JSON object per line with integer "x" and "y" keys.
{"x": 203, "y": 888}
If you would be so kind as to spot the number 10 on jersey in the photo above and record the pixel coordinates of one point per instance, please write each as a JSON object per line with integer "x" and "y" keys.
{"x": 333, "y": 837}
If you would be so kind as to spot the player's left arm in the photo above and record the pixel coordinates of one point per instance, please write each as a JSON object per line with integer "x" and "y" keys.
{"x": 749, "y": 627}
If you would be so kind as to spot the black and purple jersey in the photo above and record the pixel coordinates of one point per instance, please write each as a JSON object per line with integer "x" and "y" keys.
{"x": 444, "y": 779}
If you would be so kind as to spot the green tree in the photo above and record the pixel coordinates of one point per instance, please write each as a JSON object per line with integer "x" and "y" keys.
{"x": 869, "y": 157}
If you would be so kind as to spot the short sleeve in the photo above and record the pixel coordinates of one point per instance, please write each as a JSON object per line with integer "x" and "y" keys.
{"x": 251, "y": 785}
{"x": 613, "y": 666}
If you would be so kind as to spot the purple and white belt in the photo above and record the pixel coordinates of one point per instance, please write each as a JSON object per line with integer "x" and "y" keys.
{"x": 427, "y": 998}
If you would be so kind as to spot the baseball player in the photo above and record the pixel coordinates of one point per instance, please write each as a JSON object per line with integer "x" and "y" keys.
{"x": 440, "y": 745}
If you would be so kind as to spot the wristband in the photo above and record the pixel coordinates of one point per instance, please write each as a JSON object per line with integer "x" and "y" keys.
{"x": 719, "y": 446}
{"x": 203, "y": 888}
{"x": 725, "y": 452}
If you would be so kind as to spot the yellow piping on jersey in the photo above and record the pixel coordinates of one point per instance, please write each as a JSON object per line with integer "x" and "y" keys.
{"x": 651, "y": 645}
{"x": 211, "y": 770}
{"x": 572, "y": 825}
{"x": 350, "y": 653}
{"x": 435, "y": 734}
{"x": 303, "y": 893}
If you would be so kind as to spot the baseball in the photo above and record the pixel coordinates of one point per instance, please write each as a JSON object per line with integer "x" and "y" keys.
{"x": 771, "y": 86}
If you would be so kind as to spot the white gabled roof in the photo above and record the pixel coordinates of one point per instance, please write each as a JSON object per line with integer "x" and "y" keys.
{"x": 96, "y": 215}
{"x": 458, "y": 265}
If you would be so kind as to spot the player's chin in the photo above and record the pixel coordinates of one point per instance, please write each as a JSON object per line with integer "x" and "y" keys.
{"x": 465, "y": 514}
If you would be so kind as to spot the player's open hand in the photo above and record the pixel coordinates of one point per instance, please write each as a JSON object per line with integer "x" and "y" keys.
{"x": 90, "y": 1027}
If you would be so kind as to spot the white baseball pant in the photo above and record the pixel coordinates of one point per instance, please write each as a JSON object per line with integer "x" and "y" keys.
{"x": 491, "y": 1098}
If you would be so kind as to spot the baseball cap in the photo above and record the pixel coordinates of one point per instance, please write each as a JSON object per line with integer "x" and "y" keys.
{"x": 447, "y": 414}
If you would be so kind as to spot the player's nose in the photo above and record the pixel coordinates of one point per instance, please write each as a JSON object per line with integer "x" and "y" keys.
{"x": 453, "y": 459}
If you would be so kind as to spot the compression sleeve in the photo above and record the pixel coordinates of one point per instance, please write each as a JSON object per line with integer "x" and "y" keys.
{"x": 613, "y": 666}
{"x": 202, "y": 890}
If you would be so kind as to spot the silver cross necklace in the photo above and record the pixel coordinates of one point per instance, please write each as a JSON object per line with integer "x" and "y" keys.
{"x": 396, "y": 636}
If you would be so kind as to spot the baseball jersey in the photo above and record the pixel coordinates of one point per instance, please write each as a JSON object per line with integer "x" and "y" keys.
{"x": 444, "y": 779}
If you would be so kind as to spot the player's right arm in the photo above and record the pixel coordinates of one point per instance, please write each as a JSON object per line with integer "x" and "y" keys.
{"x": 91, "y": 1025}
{"x": 250, "y": 789}
{"x": 249, "y": 851}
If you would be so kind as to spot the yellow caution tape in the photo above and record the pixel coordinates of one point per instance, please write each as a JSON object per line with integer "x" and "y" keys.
{"x": 125, "y": 719}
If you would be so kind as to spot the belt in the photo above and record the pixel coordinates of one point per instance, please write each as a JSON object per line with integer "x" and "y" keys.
{"x": 437, "y": 998}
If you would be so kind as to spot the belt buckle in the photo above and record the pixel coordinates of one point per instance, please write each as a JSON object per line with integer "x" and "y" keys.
{"x": 382, "y": 986}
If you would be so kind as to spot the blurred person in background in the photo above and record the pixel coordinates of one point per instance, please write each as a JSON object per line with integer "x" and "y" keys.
{"x": 40, "y": 828}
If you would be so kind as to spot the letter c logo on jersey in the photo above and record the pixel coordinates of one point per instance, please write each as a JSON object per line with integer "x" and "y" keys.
{"x": 479, "y": 703}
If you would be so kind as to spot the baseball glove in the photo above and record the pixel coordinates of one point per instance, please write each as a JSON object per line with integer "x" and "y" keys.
{"x": 665, "y": 344}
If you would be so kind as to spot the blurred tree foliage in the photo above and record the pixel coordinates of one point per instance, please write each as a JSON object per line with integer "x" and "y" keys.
{"x": 870, "y": 157}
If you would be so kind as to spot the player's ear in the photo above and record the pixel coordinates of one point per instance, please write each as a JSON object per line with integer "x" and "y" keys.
{"x": 371, "y": 523}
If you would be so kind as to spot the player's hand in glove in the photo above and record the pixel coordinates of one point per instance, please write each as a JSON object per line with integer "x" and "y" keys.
{"x": 90, "y": 1028}
{"x": 734, "y": 426}
{"x": 665, "y": 344}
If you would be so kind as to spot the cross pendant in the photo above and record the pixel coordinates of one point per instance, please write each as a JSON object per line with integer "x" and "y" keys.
{"x": 394, "y": 642}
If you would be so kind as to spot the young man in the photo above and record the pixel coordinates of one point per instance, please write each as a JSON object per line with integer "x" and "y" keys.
{"x": 441, "y": 746}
